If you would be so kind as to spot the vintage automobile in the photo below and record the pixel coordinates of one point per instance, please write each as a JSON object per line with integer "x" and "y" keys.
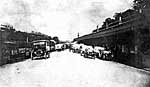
{"x": 89, "y": 52}
{"x": 40, "y": 49}
{"x": 74, "y": 47}
{"x": 83, "y": 49}
{"x": 59, "y": 47}
{"x": 52, "y": 45}
{"x": 98, "y": 51}
{"x": 102, "y": 53}
{"x": 107, "y": 55}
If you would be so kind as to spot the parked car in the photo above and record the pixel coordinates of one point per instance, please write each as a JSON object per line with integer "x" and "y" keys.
{"x": 52, "y": 45}
{"x": 98, "y": 51}
{"x": 41, "y": 49}
{"x": 83, "y": 49}
{"x": 59, "y": 47}
{"x": 75, "y": 48}
{"x": 89, "y": 52}
{"x": 107, "y": 55}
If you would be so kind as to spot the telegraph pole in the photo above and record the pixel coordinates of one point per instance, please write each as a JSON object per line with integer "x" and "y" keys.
{"x": 78, "y": 35}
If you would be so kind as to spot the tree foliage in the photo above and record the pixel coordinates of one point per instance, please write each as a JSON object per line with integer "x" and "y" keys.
{"x": 141, "y": 4}
{"x": 117, "y": 15}
{"x": 56, "y": 39}
{"x": 14, "y": 35}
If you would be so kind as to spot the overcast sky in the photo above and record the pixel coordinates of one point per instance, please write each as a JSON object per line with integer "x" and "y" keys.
{"x": 62, "y": 18}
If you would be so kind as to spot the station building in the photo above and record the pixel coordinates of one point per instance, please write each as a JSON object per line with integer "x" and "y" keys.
{"x": 129, "y": 39}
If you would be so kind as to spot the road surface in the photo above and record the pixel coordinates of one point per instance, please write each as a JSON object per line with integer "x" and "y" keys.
{"x": 67, "y": 69}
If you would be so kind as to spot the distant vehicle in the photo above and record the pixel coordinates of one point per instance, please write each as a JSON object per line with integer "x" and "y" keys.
{"x": 52, "y": 45}
{"x": 76, "y": 48}
{"x": 89, "y": 52}
{"x": 59, "y": 47}
{"x": 92, "y": 51}
{"x": 98, "y": 51}
{"x": 82, "y": 49}
{"x": 102, "y": 53}
{"x": 107, "y": 55}
{"x": 41, "y": 49}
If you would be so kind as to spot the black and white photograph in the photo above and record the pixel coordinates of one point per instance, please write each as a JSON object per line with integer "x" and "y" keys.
{"x": 75, "y": 43}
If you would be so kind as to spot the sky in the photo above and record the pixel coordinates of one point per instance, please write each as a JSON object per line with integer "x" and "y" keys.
{"x": 62, "y": 18}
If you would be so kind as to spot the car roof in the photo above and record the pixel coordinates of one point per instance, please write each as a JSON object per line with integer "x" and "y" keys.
{"x": 53, "y": 41}
{"x": 97, "y": 47}
{"x": 40, "y": 41}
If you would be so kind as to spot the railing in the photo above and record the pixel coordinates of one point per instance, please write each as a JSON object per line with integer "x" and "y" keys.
{"x": 117, "y": 23}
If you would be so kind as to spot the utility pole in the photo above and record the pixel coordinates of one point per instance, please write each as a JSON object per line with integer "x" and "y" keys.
{"x": 78, "y": 35}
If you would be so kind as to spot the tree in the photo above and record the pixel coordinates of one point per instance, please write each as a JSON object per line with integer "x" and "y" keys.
{"x": 141, "y": 4}
{"x": 56, "y": 39}
{"x": 108, "y": 20}
{"x": 8, "y": 27}
{"x": 117, "y": 16}
{"x": 49, "y": 37}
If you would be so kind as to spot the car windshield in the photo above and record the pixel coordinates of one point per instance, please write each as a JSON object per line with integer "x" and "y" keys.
{"x": 39, "y": 44}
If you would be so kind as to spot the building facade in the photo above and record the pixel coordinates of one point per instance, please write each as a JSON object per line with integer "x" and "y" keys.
{"x": 129, "y": 40}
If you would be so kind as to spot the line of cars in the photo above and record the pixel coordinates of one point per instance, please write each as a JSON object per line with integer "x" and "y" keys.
{"x": 61, "y": 47}
{"x": 42, "y": 48}
{"x": 91, "y": 51}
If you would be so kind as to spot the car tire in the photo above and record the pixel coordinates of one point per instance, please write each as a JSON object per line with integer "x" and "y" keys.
{"x": 85, "y": 56}
{"x": 48, "y": 55}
